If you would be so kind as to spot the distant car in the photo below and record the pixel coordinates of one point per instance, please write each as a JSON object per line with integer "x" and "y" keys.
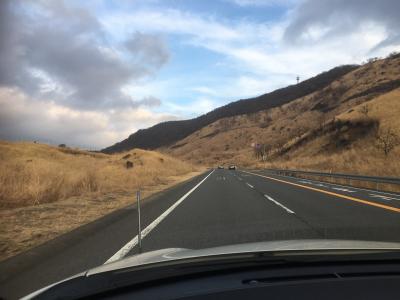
{"x": 232, "y": 167}
{"x": 220, "y": 167}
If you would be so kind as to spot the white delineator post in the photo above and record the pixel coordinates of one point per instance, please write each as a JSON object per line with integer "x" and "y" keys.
{"x": 139, "y": 225}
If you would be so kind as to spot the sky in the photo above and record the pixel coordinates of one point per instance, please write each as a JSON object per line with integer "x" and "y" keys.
{"x": 90, "y": 73}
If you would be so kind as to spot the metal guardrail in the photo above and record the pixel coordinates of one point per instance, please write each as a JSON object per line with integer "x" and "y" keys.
{"x": 376, "y": 180}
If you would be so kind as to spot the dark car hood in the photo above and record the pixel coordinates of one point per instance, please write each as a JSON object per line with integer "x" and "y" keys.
{"x": 177, "y": 254}
{"x": 171, "y": 254}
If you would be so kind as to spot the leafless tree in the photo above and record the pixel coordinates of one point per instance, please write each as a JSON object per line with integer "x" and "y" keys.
{"x": 257, "y": 152}
{"x": 321, "y": 120}
{"x": 279, "y": 146}
{"x": 254, "y": 117}
{"x": 394, "y": 54}
{"x": 265, "y": 150}
{"x": 224, "y": 123}
{"x": 387, "y": 140}
{"x": 300, "y": 131}
{"x": 261, "y": 151}
{"x": 365, "y": 110}
{"x": 372, "y": 59}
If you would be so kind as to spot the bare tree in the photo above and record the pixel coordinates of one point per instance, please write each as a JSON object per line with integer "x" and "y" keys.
{"x": 321, "y": 120}
{"x": 255, "y": 117}
{"x": 224, "y": 123}
{"x": 261, "y": 151}
{"x": 257, "y": 151}
{"x": 279, "y": 146}
{"x": 265, "y": 149}
{"x": 266, "y": 121}
{"x": 300, "y": 131}
{"x": 387, "y": 140}
{"x": 394, "y": 54}
{"x": 372, "y": 59}
{"x": 365, "y": 110}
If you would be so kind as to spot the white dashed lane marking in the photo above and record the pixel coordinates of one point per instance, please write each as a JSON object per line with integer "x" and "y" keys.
{"x": 279, "y": 204}
{"x": 384, "y": 197}
{"x": 343, "y": 190}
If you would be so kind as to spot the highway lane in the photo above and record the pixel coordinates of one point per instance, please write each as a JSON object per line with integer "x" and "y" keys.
{"x": 217, "y": 208}
{"x": 237, "y": 207}
{"x": 86, "y": 247}
{"x": 224, "y": 211}
{"x": 385, "y": 198}
{"x": 330, "y": 214}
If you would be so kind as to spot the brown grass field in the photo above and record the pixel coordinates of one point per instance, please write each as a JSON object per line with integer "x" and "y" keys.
{"x": 46, "y": 191}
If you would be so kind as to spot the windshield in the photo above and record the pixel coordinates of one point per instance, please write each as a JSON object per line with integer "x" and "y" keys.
{"x": 133, "y": 126}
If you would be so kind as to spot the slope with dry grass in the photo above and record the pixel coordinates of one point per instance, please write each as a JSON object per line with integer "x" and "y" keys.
{"x": 46, "y": 191}
{"x": 326, "y": 130}
{"x": 359, "y": 153}
{"x": 36, "y": 173}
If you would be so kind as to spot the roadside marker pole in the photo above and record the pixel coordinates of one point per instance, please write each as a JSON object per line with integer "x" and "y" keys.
{"x": 139, "y": 225}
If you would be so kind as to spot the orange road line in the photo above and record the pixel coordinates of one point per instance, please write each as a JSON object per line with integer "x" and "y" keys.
{"x": 387, "y": 207}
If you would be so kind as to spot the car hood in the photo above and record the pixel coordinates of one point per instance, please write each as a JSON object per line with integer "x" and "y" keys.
{"x": 171, "y": 254}
{"x": 176, "y": 254}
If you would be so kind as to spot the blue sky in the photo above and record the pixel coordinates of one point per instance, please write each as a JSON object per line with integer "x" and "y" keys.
{"x": 93, "y": 72}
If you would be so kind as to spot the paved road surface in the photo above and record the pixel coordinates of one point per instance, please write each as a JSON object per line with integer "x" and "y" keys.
{"x": 217, "y": 208}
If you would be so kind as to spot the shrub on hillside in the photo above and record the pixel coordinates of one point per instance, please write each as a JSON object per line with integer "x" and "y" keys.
{"x": 387, "y": 140}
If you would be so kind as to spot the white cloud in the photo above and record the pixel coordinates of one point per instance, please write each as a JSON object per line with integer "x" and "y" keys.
{"x": 200, "y": 105}
{"x": 25, "y": 118}
{"x": 158, "y": 88}
{"x": 338, "y": 18}
{"x": 204, "y": 90}
{"x": 252, "y": 86}
{"x": 54, "y": 47}
{"x": 205, "y": 104}
{"x": 263, "y": 2}
{"x": 167, "y": 21}
{"x": 256, "y": 50}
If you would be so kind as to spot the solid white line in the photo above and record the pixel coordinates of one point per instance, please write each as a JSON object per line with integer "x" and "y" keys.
{"x": 132, "y": 243}
{"x": 279, "y": 204}
{"x": 250, "y": 185}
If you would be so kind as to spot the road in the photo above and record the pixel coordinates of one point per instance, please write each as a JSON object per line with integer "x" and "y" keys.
{"x": 217, "y": 208}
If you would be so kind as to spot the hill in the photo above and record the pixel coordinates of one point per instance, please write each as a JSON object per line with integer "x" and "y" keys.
{"x": 167, "y": 133}
{"x": 335, "y": 128}
{"x": 46, "y": 191}
{"x": 32, "y": 173}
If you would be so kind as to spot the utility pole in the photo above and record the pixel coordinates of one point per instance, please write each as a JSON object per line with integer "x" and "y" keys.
{"x": 298, "y": 79}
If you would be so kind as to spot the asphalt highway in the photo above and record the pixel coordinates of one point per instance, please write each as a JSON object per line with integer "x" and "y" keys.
{"x": 219, "y": 207}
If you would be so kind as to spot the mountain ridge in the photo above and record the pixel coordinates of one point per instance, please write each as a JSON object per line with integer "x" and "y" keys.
{"x": 339, "y": 128}
{"x": 167, "y": 133}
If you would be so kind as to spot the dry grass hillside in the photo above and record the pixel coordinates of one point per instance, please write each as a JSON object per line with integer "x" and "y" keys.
{"x": 36, "y": 173}
{"x": 46, "y": 191}
{"x": 334, "y": 129}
